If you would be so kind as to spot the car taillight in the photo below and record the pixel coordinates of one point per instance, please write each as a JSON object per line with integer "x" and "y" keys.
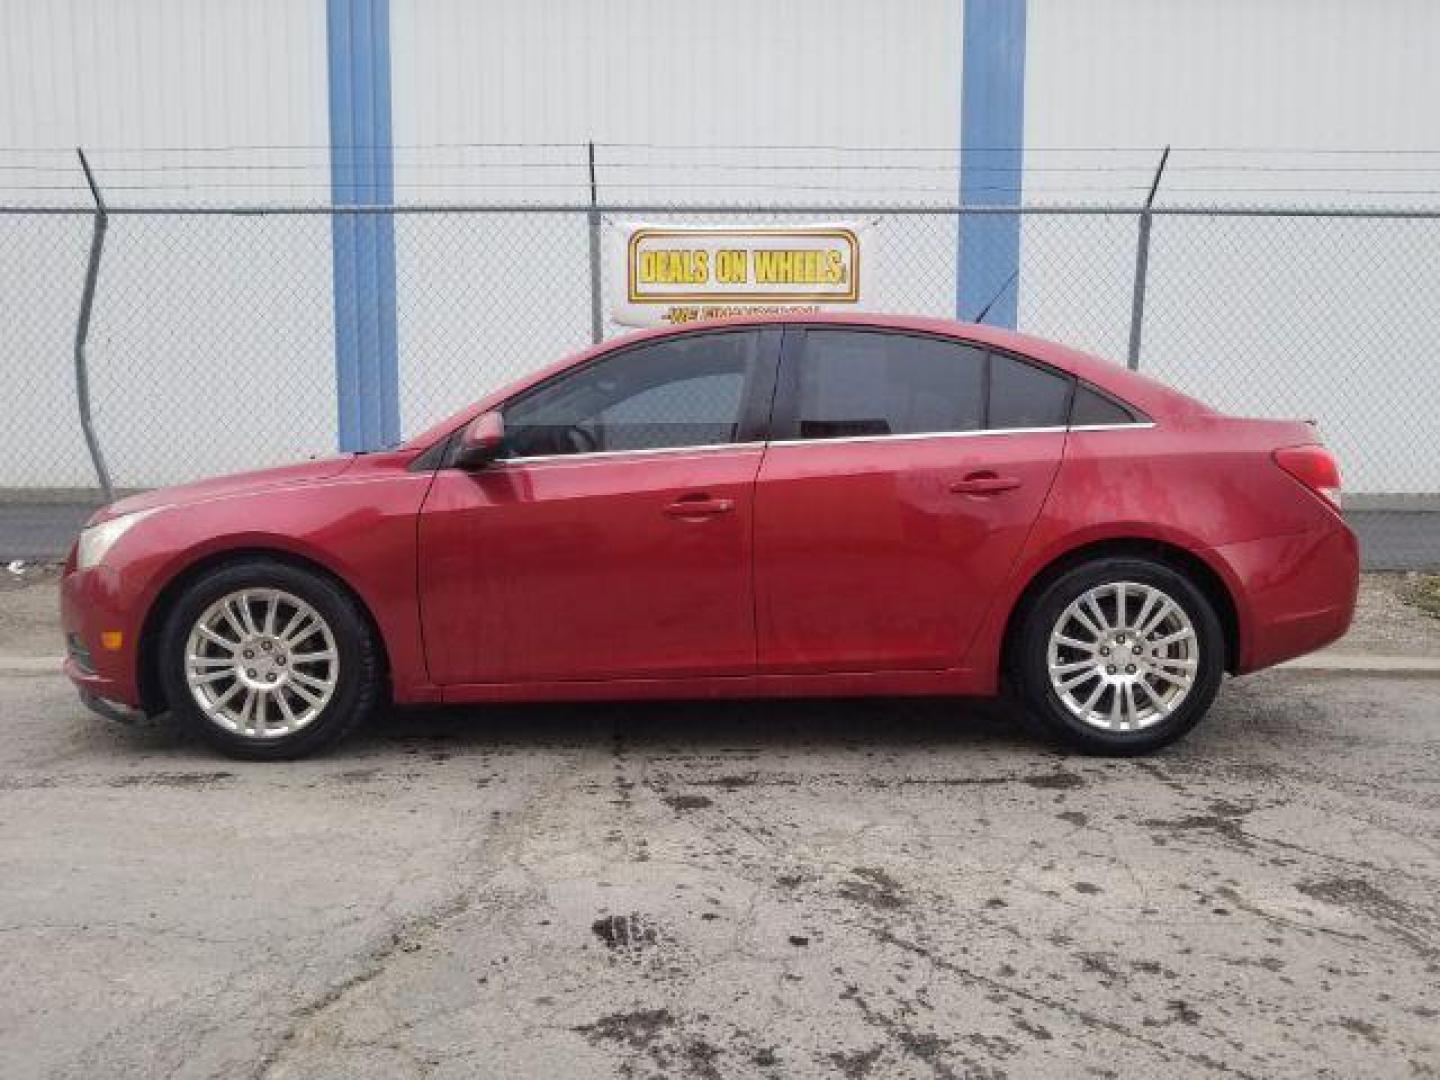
{"x": 1315, "y": 467}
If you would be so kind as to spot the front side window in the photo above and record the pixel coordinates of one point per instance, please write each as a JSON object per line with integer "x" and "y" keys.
{"x": 855, "y": 383}
{"x": 683, "y": 391}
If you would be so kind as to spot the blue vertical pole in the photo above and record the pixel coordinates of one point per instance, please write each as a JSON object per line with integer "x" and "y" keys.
{"x": 992, "y": 133}
{"x": 362, "y": 172}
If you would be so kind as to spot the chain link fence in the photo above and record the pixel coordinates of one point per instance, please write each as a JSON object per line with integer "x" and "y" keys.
{"x": 211, "y": 345}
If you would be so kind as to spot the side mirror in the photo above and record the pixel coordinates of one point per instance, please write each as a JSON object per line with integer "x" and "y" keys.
{"x": 481, "y": 441}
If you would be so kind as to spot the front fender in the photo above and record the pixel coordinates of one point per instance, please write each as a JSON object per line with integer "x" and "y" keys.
{"x": 360, "y": 527}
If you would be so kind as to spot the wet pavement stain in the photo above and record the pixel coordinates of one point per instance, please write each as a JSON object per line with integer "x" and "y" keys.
{"x": 1354, "y": 893}
{"x": 924, "y": 1046}
{"x": 657, "y": 1042}
{"x": 856, "y": 1064}
{"x": 625, "y": 934}
{"x": 734, "y": 782}
{"x": 1366, "y": 1030}
{"x": 681, "y": 803}
{"x": 172, "y": 779}
{"x": 701, "y": 1057}
{"x": 1038, "y": 1032}
{"x": 1059, "y": 780}
{"x": 875, "y": 888}
{"x": 637, "y": 1029}
{"x": 1374, "y": 905}
{"x": 357, "y": 776}
{"x": 1099, "y": 964}
{"x": 1177, "y": 1011}
{"x": 1222, "y": 818}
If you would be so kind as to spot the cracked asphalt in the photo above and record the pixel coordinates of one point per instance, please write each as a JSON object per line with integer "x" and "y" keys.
{"x": 853, "y": 889}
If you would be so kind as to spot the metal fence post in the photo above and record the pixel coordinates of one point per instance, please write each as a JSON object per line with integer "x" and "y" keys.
{"x": 597, "y": 319}
{"x": 1142, "y": 267}
{"x": 82, "y": 330}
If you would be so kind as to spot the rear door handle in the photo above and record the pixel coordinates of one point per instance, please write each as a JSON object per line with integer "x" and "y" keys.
{"x": 699, "y": 507}
{"x": 985, "y": 483}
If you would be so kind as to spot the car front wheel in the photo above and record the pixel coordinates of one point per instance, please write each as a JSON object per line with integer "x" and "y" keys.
{"x": 1120, "y": 656}
{"x": 265, "y": 660}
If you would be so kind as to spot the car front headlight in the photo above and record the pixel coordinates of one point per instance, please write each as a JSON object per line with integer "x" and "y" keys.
{"x": 97, "y": 540}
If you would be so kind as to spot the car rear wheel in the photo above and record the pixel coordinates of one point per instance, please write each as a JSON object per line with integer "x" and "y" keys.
{"x": 1120, "y": 656}
{"x": 265, "y": 660}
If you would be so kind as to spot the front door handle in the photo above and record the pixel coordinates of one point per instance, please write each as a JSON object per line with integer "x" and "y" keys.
{"x": 701, "y": 506}
{"x": 985, "y": 483}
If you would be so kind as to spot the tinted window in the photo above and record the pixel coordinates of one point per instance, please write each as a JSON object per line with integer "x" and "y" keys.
{"x": 685, "y": 391}
{"x": 860, "y": 383}
{"x": 1024, "y": 396}
{"x": 1092, "y": 407}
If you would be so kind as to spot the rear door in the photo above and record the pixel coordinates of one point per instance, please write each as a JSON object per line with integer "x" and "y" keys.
{"x": 904, "y": 473}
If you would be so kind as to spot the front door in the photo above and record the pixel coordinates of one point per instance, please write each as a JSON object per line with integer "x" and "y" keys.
{"x": 905, "y": 474}
{"x": 613, "y": 538}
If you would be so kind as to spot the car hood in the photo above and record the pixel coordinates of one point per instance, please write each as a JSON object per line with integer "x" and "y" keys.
{"x": 221, "y": 487}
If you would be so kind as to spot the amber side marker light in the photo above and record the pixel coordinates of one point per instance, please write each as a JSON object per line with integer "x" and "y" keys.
{"x": 1313, "y": 466}
{"x": 112, "y": 640}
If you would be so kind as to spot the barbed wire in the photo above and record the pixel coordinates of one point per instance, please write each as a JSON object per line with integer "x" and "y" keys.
{"x": 580, "y": 166}
{"x": 619, "y": 170}
{"x": 327, "y": 147}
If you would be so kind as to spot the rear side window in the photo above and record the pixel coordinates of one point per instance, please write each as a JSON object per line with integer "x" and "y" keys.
{"x": 1026, "y": 396}
{"x": 855, "y": 383}
{"x": 1093, "y": 408}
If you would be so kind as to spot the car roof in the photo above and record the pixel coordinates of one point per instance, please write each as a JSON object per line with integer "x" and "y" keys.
{"x": 1149, "y": 395}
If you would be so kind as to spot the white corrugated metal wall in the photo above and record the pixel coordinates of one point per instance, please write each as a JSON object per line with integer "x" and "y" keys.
{"x": 159, "y": 91}
{"x": 675, "y": 95}
{"x": 229, "y": 100}
{"x": 1326, "y": 320}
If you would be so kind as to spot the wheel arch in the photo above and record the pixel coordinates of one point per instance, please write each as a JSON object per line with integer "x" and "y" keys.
{"x": 1204, "y": 576}
{"x": 152, "y": 694}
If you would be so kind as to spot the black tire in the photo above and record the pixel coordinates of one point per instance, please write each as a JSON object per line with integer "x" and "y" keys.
{"x": 358, "y": 683}
{"x": 1043, "y": 704}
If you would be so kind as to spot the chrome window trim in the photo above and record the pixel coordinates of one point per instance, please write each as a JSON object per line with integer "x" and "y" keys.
{"x": 591, "y": 454}
{"x": 979, "y": 432}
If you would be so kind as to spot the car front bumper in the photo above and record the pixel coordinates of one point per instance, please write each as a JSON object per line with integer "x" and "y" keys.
{"x": 119, "y": 714}
{"x": 92, "y": 606}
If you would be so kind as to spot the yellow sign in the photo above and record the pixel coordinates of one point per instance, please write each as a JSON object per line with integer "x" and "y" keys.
{"x": 678, "y": 274}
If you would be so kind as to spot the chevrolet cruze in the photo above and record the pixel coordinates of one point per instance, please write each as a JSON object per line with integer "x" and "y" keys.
{"x": 816, "y": 506}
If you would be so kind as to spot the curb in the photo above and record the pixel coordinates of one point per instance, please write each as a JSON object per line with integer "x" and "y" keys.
{"x": 30, "y": 665}
{"x": 1364, "y": 664}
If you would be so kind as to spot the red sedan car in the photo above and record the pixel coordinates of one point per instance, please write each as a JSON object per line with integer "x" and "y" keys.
{"x": 760, "y": 508}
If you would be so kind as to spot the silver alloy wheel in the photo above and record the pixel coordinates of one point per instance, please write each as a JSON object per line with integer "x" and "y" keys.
{"x": 262, "y": 663}
{"x": 1123, "y": 656}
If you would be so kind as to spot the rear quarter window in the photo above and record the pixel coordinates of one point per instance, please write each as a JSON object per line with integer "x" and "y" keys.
{"x": 1094, "y": 409}
{"x": 1026, "y": 396}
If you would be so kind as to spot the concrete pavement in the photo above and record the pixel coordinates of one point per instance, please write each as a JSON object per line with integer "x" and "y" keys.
{"x": 882, "y": 889}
